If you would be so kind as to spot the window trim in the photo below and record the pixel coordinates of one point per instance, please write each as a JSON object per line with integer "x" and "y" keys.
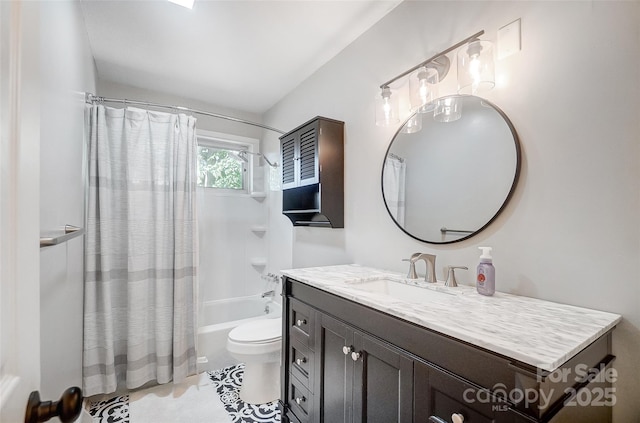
{"x": 213, "y": 139}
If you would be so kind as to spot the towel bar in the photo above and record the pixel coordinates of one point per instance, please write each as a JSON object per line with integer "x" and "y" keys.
{"x": 70, "y": 232}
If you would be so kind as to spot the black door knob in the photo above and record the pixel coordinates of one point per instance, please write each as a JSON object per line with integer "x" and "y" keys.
{"x": 67, "y": 409}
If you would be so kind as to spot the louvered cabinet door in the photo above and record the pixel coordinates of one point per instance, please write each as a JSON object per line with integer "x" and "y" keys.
{"x": 308, "y": 155}
{"x": 289, "y": 152}
{"x": 299, "y": 151}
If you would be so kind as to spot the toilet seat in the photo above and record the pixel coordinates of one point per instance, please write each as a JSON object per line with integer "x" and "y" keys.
{"x": 258, "y": 332}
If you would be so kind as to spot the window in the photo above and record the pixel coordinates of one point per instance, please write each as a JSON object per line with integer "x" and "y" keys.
{"x": 219, "y": 167}
{"x": 223, "y": 162}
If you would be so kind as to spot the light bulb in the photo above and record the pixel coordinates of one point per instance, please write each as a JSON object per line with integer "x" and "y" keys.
{"x": 474, "y": 72}
{"x": 386, "y": 108}
{"x": 423, "y": 90}
{"x": 474, "y": 68}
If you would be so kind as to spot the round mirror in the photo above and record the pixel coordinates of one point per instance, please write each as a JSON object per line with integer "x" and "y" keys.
{"x": 447, "y": 181}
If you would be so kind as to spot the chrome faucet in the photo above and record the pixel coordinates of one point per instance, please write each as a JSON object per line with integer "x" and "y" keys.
{"x": 269, "y": 293}
{"x": 429, "y": 260}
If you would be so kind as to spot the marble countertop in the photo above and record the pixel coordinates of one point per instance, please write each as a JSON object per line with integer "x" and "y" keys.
{"x": 541, "y": 333}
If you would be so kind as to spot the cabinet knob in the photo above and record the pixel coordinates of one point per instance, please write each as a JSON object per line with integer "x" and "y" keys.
{"x": 347, "y": 350}
{"x": 299, "y": 361}
{"x": 355, "y": 356}
{"x": 300, "y": 400}
{"x": 301, "y": 322}
{"x": 455, "y": 418}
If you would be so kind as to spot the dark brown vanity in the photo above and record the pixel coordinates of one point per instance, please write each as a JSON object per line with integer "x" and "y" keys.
{"x": 343, "y": 361}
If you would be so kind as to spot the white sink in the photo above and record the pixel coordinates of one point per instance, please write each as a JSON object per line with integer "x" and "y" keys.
{"x": 404, "y": 292}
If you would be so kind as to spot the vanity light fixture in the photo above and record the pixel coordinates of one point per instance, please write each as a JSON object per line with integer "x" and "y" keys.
{"x": 423, "y": 85}
{"x": 184, "y": 3}
{"x": 476, "y": 68}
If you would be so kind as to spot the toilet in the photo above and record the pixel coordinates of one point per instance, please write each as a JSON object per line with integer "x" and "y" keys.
{"x": 258, "y": 344}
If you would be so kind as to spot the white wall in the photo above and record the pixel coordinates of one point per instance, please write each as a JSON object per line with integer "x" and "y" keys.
{"x": 66, "y": 71}
{"x": 227, "y": 244}
{"x": 571, "y": 232}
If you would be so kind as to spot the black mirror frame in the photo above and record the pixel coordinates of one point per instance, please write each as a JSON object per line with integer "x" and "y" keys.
{"x": 514, "y": 184}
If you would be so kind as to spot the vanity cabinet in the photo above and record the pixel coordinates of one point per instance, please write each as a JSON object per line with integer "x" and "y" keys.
{"x": 344, "y": 362}
{"x": 341, "y": 375}
{"x": 312, "y": 157}
{"x": 360, "y": 379}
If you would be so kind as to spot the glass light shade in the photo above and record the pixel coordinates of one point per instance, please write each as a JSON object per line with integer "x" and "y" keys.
{"x": 448, "y": 110}
{"x": 387, "y": 108}
{"x": 423, "y": 88}
{"x": 413, "y": 124}
{"x": 476, "y": 68}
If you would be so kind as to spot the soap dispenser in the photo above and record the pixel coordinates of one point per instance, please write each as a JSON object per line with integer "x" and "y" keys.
{"x": 486, "y": 276}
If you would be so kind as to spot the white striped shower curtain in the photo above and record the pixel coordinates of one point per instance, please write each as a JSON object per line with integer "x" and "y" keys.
{"x": 393, "y": 185}
{"x": 141, "y": 250}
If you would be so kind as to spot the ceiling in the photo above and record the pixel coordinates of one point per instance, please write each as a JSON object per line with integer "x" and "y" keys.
{"x": 239, "y": 54}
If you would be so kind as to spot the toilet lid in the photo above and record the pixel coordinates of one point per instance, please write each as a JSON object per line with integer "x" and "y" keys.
{"x": 259, "y": 331}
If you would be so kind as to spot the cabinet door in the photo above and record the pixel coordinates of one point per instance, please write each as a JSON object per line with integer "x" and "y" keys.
{"x": 288, "y": 154}
{"x": 383, "y": 382}
{"x": 299, "y": 155}
{"x": 439, "y": 395}
{"x": 334, "y": 371}
{"x": 308, "y": 155}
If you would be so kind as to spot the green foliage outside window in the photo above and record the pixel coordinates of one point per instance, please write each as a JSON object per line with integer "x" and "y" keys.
{"x": 219, "y": 168}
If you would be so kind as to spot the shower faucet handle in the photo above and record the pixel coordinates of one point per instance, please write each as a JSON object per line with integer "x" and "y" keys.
{"x": 271, "y": 277}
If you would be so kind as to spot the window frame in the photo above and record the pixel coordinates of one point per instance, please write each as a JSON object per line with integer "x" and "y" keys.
{"x": 219, "y": 140}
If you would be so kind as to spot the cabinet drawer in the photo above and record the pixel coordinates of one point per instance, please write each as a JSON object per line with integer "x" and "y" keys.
{"x": 301, "y": 323}
{"x": 301, "y": 363}
{"x": 300, "y": 400}
{"x": 439, "y": 395}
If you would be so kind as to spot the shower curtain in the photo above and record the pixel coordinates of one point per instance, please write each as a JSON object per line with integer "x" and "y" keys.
{"x": 394, "y": 187}
{"x": 141, "y": 250}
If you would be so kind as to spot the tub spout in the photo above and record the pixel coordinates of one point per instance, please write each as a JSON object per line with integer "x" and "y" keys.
{"x": 268, "y": 294}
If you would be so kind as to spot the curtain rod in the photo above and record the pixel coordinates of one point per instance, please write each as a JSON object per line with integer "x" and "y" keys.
{"x": 92, "y": 99}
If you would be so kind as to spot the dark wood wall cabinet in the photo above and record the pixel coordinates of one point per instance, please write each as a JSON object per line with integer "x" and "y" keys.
{"x": 344, "y": 362}
{"x": 312, "y": 157}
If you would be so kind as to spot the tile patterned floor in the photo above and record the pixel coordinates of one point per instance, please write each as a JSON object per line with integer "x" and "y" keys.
{"x": 226, "y": 383}
{"x": 113, "y": 410}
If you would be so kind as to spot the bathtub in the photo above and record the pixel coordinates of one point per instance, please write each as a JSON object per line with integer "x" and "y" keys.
{"x": 218, "y": 317}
